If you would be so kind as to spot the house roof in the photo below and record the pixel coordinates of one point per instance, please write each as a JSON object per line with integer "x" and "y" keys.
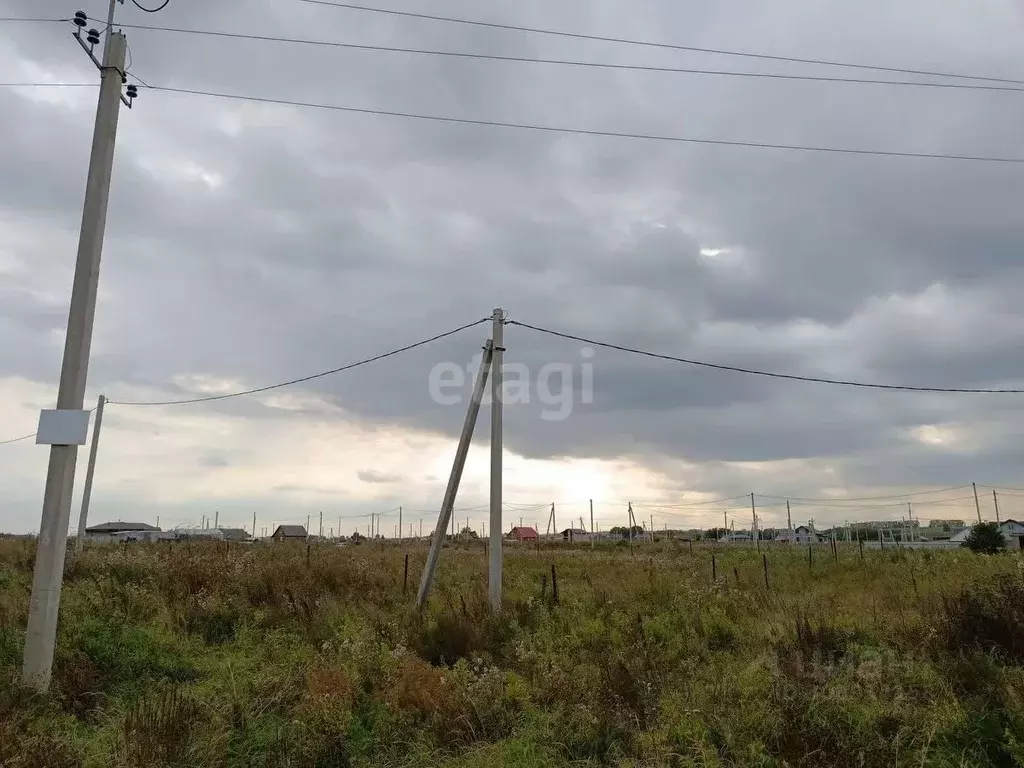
{"x": 524, "y": 530}
{"x": 574, "y": 531}
{"x": 291, "y": 530}
{"x": 117, "y": 527}
{"x": 235, "y": 534}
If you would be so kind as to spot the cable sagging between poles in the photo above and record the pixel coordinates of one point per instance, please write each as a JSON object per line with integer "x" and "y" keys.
{"x": 303, "y": 379}
{"x": 767, "y": 374}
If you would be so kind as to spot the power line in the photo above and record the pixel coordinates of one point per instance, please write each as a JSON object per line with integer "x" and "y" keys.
{"x": 652, "y": 44}
{"x": 149, "y": 10}
{"x": 886, "y": 505}
{"x": 863, "y": 498}
{"x": 49, "y": 85}
{"x": 566, "y": 62}
{"x": 693, "y": 505}
{"x": 350, "y": 366}
{"x": 769, "y": 374}
{"x": 6, "y": 19}
{"x": 588, "y": 132}
{"x": 17, "y": 439}
{"x": 1000, "y": 487}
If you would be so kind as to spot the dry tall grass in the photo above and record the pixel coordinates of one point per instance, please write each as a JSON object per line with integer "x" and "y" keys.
{"x": 201, "y": 655}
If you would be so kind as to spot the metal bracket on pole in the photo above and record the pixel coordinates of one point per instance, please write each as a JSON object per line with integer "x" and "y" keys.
{"x": 92, "y": 39}
{"x": 456, "y": 475}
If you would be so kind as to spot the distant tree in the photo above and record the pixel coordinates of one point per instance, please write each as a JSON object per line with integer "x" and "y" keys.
{"x": 623, "y": 532}
{"x": 985, "y": 538}
{"x": 468, "y": 533}
{"x": 358, "y": 538}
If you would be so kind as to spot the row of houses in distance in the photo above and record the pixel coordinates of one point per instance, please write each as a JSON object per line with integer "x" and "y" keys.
{"x": 950, "y": 533}
{"x": 122, "y": 531}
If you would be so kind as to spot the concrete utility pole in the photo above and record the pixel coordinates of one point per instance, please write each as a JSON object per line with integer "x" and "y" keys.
{"x": 254, "y": 526}
{"x": 497, "y": 403}
{"x": 593, "y": 533}
{"x": 83, "y": 516}
{"x": 977, "y": 504}
{"x": 789, "y": 522}
{"x": 757, "y": 533}
{"x": 456, "y": 475}
{"x": 321, "y": 524}
{"x": 216, "y": 518}
{"x": 995, "y": 500}
{"x": 47, "y": 579}
{"x": 399, "y": 524}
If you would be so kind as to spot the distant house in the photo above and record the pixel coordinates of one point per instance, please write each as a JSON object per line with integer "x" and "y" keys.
{"x": 575, "y": 534}
{"x": 1012, "y": 531}
{"x": 290, "y": 533}
{"x": 521, "y": 533}
{"x": 235, "y": 534}
{"x": 800, "y": 535}
{"x": 947, "y": 525}
{"x": 123, "y": 532}
{"x": 200, "y": 533}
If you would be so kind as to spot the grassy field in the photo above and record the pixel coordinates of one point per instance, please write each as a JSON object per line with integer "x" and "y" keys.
{"x": 200, "y": 656}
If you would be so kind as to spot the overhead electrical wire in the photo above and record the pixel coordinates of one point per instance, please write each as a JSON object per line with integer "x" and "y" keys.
{"x": 880, "y": 505}
{"x": 311, "y": 377}
{"x": 692, "y": 505}
{"x": 141, "y": 7}
{"x": 49, "y": 85}
{"x": 567, "y": 62}
{"x": 6, "y": 19}
{"x": 653, "y": 44}
{"x": 863, "y": 498}
{"x": 767, "y": 374}
{"x": 588, "y": 132}
{"x": 17, "y": 439}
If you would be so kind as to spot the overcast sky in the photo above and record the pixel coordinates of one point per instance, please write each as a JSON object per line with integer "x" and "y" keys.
{"x": 251, "y": 243}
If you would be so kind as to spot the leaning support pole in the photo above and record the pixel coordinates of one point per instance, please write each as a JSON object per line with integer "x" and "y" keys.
{"x": 456, "y": 475}
{"x": 83, "y": 516}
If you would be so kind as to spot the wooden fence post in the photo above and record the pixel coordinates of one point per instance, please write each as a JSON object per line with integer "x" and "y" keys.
{"x": 764, "y": 560}
{"x": 405, "y": 576}
{"x": 554, "y": 583}
{"x": 714, "y": 569}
